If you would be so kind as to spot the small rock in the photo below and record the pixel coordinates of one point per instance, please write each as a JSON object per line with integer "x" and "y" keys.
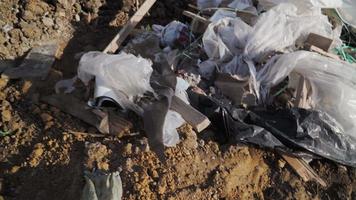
{"x": 7, "y": 28}
{"x": 36, "y": 110}
{"x": 155, "y": 174}
{"x": 26, "y": 87}
{"x": 78, "y": 7}
{"x": 46, "y": 117}
{"x": 128, "y": 149}
{"x": 54, "y": 110}
{"x": 61, "y": 14}
{"x": 28, "y": 15}
{"x": 48, "y": 21}
{"x": 161, "y": 189}
{"x": 65, "y": 137}
{"x": 281, "y": 163}
{"x": 77, "y": 18}
{"x": 43, "y": 106}
{"x": 129, "y": 165}
{"x": 15, "y": 169}
{"x": 38, "y": 151}
{"x": 67, "y": 4}
{"x": 103, "y": 166}
{"x": 48, "y": 125}
{"x": 6, "y": 115}
{"x": 137, "y": 150}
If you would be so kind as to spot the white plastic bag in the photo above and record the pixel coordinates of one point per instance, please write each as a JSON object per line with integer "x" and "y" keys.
{"x": 333, "y": 83}
{"x": 181, "y": 88}
{"x": 121, "y": 77}
{"x": 221, "y": 41}
{"x": 172, "y": 121}
{"x": 222, "y": 13}
{"x": 280, "y": 28}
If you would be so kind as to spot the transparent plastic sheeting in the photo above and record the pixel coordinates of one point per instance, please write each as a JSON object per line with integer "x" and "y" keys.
{"x": 312, "y": 3}
{"x": 236, "y": 4}
{"x": 118, "y": 76}
{"x": 333, "y": 84}
{"x": 279, "y": 29}
{"x": 123, "y": 77}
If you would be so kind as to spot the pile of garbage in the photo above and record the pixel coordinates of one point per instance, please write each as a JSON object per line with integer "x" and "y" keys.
{"x": 265, "y": 73}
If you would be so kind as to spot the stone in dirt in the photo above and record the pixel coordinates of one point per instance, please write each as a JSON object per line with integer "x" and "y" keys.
{"x": 46, "y": 117}
{"x": 36, "y": 64}
{"x": 48, "y": 21}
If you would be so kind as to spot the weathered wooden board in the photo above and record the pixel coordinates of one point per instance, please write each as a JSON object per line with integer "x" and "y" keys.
{"x": 131, "y": 24}
{"x": 303, "y": 169}
{"x": 79, "y": 109}
{"x": 193, "y": 117}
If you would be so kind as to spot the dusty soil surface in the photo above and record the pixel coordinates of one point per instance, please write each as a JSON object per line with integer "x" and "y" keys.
{"x": 40, "y": 158}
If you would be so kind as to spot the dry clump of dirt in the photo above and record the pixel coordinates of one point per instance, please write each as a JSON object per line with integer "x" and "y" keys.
{"x": 42, "y": 158}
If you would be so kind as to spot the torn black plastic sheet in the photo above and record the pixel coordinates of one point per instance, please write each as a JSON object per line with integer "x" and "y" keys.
{"x": 287, "y": 129}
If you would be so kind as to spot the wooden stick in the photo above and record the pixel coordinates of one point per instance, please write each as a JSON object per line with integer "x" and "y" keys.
{"x": 303, "y": 169}
{"x": 197, "y": 17}
{"x": 124, "y": 32}
{"x": 78, "y": 109}
{"x": 76, "y": 133}
{"x": 193, "y": 117}
{"x": 322, "y": 52}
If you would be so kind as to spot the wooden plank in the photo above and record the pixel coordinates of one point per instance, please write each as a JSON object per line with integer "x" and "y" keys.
{"x": 76, "y": 133}
{"x": 79, "y": 109}
{"x": 36, "y": 64}
{"x": 193, "y": 117}
{"x": 300, "y": 92}
{"x": 72, "y": 106}
{"x": 319, "y": 41}
{"x": 131, "y": 24}
{"x": 322, "y": 52}
{"x": 303, "y": 169}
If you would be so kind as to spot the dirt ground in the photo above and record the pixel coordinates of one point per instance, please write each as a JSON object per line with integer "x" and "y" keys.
{"x": 40, "y": 158}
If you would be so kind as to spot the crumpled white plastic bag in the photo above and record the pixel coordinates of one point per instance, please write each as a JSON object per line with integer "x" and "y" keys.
{"x": 222, "y": 13}
{"x": 333, "y": 83}
{"x": 280, "y": 28}
{"x": 119, "y": 76}
{"x": 173, "y": 119}
{"x": 220, "y": 39}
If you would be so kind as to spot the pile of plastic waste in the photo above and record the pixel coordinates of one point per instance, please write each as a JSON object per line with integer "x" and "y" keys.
{"x": 254, "y": 68}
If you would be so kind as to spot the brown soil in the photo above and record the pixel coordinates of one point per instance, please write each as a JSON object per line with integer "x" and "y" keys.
{"x": 41, "y": 159}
